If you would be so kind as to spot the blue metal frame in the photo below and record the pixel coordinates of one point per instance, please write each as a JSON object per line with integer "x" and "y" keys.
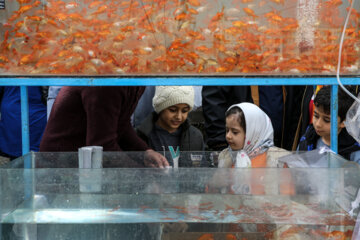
{"x": 194, "y": 81}
{"x": 23, "y": 82}
{"x": 334, "y": 118}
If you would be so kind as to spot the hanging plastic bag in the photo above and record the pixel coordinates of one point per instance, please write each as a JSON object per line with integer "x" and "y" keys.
{"x": 352, "y": 122}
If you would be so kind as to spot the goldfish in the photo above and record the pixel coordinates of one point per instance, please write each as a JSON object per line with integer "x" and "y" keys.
{"x": 100, "y": 10}
{"x": 202, "y": 48}
{"x": 238, "y": 24}
{"x": 34, "y": 18}
{"x": 23, "y": 1}
{"x": 206, "y": 236}
{"x": 250, "y": 12}
{"x": 26, "y": 59}
{"x": 157, "y": 36}
{"x": 3, "y": 59}
{"x": 119, "y": 38}
{"x": 21, "y": 35}
{"x": 95, "y": 4}
{"x": 278, "y": 1}
{"x": 71, "y": 5}
{"x": 24, "y": 9}
{"x": 194, "y": 3}
{"x": 218, "y": 16}
{"x": 230, "y": 237}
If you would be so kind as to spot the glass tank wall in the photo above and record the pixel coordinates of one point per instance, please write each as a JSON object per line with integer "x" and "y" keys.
{"x": 177, "y": 37}
{"x": 56, "y": 200}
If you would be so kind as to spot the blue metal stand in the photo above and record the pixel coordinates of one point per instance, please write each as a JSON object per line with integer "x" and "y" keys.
{"x": 175, "y": 80}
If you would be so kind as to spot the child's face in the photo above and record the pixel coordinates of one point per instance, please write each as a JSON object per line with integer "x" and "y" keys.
{"x": 235, "y": 134}
{"x": 321, "y": 122}
{"x": 172, "y": 117}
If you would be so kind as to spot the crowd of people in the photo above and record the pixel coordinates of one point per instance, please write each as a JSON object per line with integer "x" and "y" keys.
{"x": 241, "y": 121}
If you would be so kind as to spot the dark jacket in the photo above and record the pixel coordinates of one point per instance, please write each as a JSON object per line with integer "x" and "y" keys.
{"x": 346, "y": 143}
{"x": 191, "y": 138}
{"x": 304, "y": 120}
{"x": 86, "y": 116}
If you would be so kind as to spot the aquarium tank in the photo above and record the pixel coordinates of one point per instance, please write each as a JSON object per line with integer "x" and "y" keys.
{"x": 47, "y": 196}
{"x": 178, "y": 37}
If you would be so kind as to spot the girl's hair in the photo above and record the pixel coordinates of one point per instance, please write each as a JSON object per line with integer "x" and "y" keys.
{"x": 240, "y": 116}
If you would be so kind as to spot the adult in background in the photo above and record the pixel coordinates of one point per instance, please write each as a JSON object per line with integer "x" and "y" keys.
{"x": 53, "y": 92}
{"x": 10, "y": 120}
{"x": 215, "y": 101}
{"x": 280, "y": 103}
{"x": 87, "y": 116}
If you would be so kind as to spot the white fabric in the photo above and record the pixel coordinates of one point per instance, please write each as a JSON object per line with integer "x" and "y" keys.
{"x": 259, "y": 134}
{"x": 166, "y": 96}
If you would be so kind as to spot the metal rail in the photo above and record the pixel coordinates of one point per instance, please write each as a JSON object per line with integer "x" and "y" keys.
{"x": 23, "y": 82}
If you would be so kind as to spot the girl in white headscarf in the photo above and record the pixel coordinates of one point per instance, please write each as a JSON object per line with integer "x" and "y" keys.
{"x": 249, "y": 133}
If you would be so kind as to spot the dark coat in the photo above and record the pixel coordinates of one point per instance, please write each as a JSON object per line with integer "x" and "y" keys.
{"x": 346, "y": 143}
{"x": 87, "y": 116}
{"x": 191, "y": 138}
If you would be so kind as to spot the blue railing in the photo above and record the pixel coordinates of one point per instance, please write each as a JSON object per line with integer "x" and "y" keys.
{"x": 23, "y": 82}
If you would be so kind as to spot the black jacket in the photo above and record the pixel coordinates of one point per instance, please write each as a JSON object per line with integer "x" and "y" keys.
{"x": 346, "y": 143}
{"x": 191, "y": 138}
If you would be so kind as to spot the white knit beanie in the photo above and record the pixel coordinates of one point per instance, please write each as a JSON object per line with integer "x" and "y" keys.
{"x": 166, "y": 96}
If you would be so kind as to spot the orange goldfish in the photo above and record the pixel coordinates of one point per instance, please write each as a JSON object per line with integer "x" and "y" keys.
{"x": 95, "y": 4}
{"x": 19, "y": 34}
{"x": 23, "y": 1}
{"x": 34, "y": 18}
{"x": 24, "y": 9}
{"x": 26, "y": 59}
{"x": 194, "y": 3}
{"x": 250, "y": 12}
{"x": 278, "y": 1}
{"x": 218, "y": 16}
{"x": 238, "y": 24}
{"x": 128, "y": 29}
{"x": 206, "y": 236}
{"x": 181, "y": 16}
{"x": 193, "y": 11}
{"x": 3, "y": 59}
{"x": 100, "y": 10}
{"x": 202, "y": 49}
{"x": 71, "y": 5}
{"x": 230, "y": 237}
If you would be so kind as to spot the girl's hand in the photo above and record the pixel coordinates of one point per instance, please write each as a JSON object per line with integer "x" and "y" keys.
{"x": 155, "y": 159}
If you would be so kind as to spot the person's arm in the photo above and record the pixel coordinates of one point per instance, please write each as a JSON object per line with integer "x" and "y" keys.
{"x": 130, "y": 141}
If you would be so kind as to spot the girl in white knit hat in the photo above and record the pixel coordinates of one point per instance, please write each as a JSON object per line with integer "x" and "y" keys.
{"x": 168, "y": 130}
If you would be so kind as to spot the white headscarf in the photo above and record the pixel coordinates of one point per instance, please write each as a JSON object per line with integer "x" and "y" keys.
{"x": 259, "y": 134}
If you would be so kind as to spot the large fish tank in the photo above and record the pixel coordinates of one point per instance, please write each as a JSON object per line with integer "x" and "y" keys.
{"x": 177, "y": 37}
{"x": 47, "y": 196}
